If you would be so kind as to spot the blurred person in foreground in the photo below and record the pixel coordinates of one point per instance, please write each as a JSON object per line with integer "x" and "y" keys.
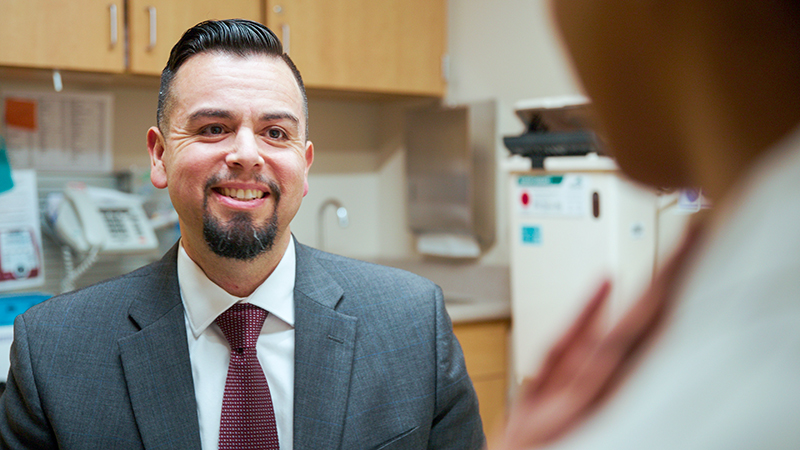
{"x": 690, "y": 93}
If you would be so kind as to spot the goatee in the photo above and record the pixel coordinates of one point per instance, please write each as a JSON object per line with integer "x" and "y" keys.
{"x": 240, "y": 238}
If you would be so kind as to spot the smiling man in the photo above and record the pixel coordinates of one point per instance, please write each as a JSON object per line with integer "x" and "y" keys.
{"x": 232, "y": 149}
{"x": 239, "y": 337}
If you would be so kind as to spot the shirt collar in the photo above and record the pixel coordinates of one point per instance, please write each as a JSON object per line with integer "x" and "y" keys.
{"x": 204, "y": 300}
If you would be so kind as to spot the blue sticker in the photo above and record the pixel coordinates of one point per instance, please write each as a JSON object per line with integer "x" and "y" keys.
{"x": 15, "y": 304}
{"x": 531, "y": 235}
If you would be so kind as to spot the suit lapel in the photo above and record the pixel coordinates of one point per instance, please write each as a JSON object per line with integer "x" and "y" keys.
{"x": 157, "y": 368}
{"x": 156, "y": 364}
{"x": 324, "y": 349}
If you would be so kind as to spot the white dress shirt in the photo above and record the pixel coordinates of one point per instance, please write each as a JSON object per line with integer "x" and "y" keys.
{"x": 209, "y": 352}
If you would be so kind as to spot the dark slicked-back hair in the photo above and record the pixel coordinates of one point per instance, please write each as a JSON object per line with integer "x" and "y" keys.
{"x": 235, "y": 36}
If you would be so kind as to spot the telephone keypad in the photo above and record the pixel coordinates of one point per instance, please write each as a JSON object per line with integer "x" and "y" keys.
{"x": 116, "y": 219}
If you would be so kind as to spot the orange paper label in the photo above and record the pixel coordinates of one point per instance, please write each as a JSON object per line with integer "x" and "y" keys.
{"x": 21, "y": 113}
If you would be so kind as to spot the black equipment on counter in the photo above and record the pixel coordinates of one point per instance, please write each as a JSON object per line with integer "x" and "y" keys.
{"x": 555, "y": 127}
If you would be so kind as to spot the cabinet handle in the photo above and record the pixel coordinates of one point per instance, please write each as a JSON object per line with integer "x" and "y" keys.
{"x": 151, "y": 12}
{"x": 286, "y": 35}
{"x": 112, "y": 10}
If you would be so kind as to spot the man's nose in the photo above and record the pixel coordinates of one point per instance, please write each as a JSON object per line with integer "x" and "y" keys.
{"x": 245, "y": 152}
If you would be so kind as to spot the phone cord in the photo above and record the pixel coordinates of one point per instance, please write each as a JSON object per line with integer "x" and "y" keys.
{"x": 72, "y": 274}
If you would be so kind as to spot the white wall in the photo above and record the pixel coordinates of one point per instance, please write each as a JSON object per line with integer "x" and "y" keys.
{"x": 504, "y": 50}
{"x": 359, "y": 161}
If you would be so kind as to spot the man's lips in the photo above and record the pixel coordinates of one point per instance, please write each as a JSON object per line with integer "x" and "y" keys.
{"x": 245, "y": 195}
{"x": 241, "y": 194}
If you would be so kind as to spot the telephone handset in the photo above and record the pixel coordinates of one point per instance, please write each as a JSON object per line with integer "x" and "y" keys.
{"x": 104, "y": 220}
{"x": 79, "y": 223}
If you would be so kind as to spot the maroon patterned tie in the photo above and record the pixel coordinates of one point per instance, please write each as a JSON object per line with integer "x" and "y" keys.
{"x": 248, "y": 420}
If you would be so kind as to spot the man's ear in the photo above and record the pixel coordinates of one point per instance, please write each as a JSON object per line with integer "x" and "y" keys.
{"x": 309, "y": 155}
{"x": 156, "y": 147}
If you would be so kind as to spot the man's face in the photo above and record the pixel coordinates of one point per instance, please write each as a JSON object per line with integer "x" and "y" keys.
{"x": 234, "y": 155}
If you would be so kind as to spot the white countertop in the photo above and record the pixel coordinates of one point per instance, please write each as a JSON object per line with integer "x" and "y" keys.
{"x": 472, "y": 292}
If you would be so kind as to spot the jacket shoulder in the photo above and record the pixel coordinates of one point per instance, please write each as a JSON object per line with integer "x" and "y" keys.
{"x": 98, "y": 300}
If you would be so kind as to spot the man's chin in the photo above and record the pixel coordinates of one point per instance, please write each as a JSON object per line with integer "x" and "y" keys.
{"x": 239, "y": 239}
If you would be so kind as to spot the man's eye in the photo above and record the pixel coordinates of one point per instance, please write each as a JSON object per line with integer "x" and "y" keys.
{"x": 213, "y": 129}
{"x": 275, "y": 133}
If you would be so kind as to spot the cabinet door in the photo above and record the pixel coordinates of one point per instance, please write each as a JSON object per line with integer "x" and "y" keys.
{"x": 156, "y": 25}
{"x": 485, "y": 346}
{"x": 387, "y": 46}
{"x": 82, "y": 35}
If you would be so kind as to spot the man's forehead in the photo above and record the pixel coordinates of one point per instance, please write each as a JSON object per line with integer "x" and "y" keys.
{"x": 193, "y": 75}
{"x": 220, "y": 59}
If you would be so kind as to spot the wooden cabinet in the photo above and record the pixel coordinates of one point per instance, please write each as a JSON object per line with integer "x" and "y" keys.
{"x": 154, "y": 26}
{"x": 386, "y": 46}
{"x": 85, "y": 35}
{"x": 485, "y": 346}
{"x": 90, "y": 35}
{"x": 391, "y": 47}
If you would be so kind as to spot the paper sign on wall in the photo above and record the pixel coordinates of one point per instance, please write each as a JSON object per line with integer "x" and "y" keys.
{"x": 58, "y": 131}
{"x": 21, "y": 261}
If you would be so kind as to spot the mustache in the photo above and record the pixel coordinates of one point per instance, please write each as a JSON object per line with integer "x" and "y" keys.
{"x": 274, "y": 189}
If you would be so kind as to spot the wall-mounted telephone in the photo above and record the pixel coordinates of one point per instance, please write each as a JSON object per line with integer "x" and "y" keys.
{"x": 105, "y": 220}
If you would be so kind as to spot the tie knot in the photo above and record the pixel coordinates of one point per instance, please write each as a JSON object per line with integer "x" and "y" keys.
{"x": 241, "y": 325}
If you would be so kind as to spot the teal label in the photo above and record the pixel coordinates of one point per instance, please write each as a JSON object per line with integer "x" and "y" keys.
{"x": 531, "y": 235}
{"x": 540, "y": 180}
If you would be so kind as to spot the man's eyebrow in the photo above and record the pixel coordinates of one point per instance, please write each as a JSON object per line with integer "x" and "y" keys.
{"x": 210, "y": 113}
{"x": 269, "y": 117}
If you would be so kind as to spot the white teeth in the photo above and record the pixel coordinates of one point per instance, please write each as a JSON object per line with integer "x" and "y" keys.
{"x": 242, "y": 194}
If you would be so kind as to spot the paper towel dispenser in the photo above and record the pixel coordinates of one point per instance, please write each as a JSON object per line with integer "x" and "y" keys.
{"x": 450, "y": 164}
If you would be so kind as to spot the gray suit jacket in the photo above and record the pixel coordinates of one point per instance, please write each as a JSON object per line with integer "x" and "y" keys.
{"x": 376, "y": 365}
